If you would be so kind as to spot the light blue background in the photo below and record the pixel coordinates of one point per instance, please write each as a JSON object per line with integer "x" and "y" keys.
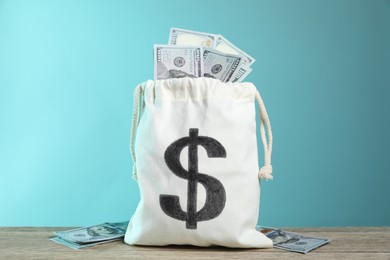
{"x": 68, "y": 70}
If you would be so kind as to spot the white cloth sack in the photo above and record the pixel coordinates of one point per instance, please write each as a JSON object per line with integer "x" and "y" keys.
{"x": 195, "y": 156}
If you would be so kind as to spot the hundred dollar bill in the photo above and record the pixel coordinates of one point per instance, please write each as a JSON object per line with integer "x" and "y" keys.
{"x": 241, "y": 73}
{"x": 173, "y": 61}
{"x": 292, "y": 241}
{"x": 92, "y": 234}
{"x": 223, "y": 45}
{"x": 219, "y": 65}
{"x": 120, "y": 225}
{"x": 187, "y": 37}
{"x": 75, "y": 245}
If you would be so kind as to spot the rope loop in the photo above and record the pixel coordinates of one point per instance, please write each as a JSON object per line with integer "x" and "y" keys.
{"x": 265, "y": 125}
{"x": 138, "y": 99}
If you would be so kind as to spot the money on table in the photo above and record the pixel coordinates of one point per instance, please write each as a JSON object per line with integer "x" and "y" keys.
{"x": 75, "y": 245}
{"x": 292, "y": 241}
{"x": 89, "y": 236}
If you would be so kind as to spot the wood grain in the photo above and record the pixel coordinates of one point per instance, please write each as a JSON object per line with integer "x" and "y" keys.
{"x": 347, "y": 243}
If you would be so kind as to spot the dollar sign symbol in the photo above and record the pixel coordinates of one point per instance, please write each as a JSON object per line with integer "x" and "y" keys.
{"x": 215, "y": 192}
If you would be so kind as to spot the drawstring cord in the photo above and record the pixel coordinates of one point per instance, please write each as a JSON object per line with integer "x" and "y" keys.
{"x": 136, "y": 117}
{"x": 265, "y": 171}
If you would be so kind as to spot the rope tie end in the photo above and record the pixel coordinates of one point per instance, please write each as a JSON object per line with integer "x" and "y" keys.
{"x": 266, "y": 172}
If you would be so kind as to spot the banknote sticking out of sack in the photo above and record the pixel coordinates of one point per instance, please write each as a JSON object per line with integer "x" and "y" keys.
{"x": 196, "y": 162}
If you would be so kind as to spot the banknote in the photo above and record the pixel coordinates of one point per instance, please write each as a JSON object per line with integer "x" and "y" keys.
{"x": 120, "y": 225}
{"x": 241, "y": 73}
{"x": 292, "y": 241}
{"x": 92, "y": 234}
{"x": 200, "y": 54}
{"x": 187, "y": 37}
{"x": 223, "y": 45}
{"x": 174, "y": 61}
{"x": 219, "y": 65}
{"x": 75, "y": 245}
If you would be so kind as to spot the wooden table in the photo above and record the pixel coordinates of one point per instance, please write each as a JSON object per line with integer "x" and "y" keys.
{"x": 347, "y": 243}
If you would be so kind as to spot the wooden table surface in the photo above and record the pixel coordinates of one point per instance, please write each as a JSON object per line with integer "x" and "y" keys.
{"x": 347, "y": 243}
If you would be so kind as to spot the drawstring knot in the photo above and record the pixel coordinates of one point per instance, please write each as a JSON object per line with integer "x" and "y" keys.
{"x": 266, "y": 172}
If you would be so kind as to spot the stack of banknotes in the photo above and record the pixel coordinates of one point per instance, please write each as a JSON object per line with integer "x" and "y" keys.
{"x": 90, "y": 236}
{"x": 292, "y": 241}
{"x": 107, "y": 232}
{"x": 199, "y": 54}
